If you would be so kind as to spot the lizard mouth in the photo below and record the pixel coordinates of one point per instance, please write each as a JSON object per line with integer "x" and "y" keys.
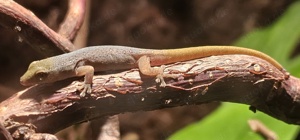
{"x": 24, "y": 82}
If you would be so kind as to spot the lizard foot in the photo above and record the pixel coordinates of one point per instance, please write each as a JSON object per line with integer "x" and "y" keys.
{"x": 160, "y": 79}
{"x": 158, "y": 72}
{"x": 161, "y": 75}
{"x": 87, "y": 88}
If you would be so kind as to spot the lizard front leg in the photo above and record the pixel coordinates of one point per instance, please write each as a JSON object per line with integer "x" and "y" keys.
{"x": 88, "y": 72}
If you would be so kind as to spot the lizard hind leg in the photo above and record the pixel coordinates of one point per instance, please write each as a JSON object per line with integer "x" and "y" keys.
{"x": 88, "y": 72}
{"x": 146, "y": 69}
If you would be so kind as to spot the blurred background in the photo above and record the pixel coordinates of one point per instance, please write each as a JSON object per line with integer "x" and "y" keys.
{"x": 265, "y": 25}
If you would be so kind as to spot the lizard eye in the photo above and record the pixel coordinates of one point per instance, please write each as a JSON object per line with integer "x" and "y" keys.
{"x": 41, "y": 75}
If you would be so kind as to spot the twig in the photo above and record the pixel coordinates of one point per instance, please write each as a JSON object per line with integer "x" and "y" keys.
{"x": 260, "y": 128}
{"x": 5, "y": 133}
{"x": 81, "y": 38}
{"x": 110, "y": 128}
{"x": 32, "y": 30}
{"x": 73, "y": 19}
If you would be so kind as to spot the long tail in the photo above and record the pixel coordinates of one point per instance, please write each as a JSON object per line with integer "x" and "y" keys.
{"x": 175, "y": 55}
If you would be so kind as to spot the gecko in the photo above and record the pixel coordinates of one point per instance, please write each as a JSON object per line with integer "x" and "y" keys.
{"x": 86, "y": 61}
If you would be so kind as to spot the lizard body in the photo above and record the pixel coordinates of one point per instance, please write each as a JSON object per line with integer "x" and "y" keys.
{"x": 85, "y": 61}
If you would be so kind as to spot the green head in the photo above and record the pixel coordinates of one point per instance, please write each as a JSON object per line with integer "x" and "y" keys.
{"x": 39, "y": 72}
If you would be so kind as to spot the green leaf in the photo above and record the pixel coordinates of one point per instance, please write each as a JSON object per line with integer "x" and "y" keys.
{"x": 280, "y": 39}
{"x": 230, "y": 120}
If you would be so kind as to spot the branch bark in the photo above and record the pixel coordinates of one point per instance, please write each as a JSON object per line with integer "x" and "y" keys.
{"x": 231, "y": 78}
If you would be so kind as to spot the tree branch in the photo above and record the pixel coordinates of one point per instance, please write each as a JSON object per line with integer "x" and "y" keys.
{"x": 73, "y": 20}
{"x": 32, "y": 30}
{"x": 231, "y": 78}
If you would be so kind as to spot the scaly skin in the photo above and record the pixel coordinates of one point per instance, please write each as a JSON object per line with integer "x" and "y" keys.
{"x": 103, "y": 58}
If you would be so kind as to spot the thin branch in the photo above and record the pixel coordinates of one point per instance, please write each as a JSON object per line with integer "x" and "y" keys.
{"x": 109, "y": 128}
{"x": 32, "y": 30}
{"x": 261, "y": 129}
{"x": 80, "y": 40}
{"x": 231, "y": 78}
{"x": 5, "y": 133}
{"x": 73, "y": 19}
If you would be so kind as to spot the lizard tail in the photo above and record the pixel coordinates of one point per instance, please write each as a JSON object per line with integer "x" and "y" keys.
{"x": 175, "y": 55}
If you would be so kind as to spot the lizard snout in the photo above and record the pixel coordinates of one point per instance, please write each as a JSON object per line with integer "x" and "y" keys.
{"x": 24, "y": 82}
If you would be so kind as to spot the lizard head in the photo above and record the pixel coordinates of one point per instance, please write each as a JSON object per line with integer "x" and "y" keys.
{"x": 38, "y": 72}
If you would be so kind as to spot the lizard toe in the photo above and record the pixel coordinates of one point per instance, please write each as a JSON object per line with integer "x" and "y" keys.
{"x": 87, "y": 89}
